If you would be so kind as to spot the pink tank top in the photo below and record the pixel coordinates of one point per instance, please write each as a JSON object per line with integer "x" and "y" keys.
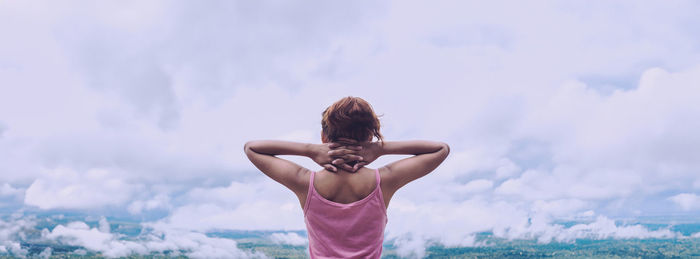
{"x": 338, "y": 230}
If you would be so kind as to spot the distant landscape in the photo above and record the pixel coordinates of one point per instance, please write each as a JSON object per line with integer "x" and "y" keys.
{"x": 34, "y": 242}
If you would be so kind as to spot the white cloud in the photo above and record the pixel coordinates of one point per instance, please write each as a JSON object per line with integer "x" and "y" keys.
{"x": 479, "y": 185}
{"x": 603, "y": 228}
{"x": 194, "y": 244}
{"x": 561, "y": 208}
{"x": 46, "y": 253}
{"x": 687, "y": 201}
{"x": 506, "y": 168}
{"x": 80, "y": 234}
{"x": 260, "y": 215}
{"x": 66, "y": 188}
{"x": 160, "y": 201}
{"x": 570, "y": 182}
{"x": 414, "y": 226}
{"x": 474, "y": 161}
{"x": 256, "y": 204}
{"x": 103, "y": 225}
{"x": 6, "y": 190}
{"x": 10, "y": 233}
{"x": 289, "y": 238}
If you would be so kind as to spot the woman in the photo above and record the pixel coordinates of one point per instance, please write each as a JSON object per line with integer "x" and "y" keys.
{"x": 345, "y": 203}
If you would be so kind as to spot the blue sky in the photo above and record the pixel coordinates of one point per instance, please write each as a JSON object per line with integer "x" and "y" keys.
{"x": 553, "y": 109}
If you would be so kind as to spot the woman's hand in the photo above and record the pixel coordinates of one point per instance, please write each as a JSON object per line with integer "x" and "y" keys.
{"x": 370, "y": 151}
{"x": 336, "y": 154}
{"x": 366, "y": 151}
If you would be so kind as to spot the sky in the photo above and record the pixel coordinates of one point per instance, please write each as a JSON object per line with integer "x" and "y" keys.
{"x": 554, "y": 110}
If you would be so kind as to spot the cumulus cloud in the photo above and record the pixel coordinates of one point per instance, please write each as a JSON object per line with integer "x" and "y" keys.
{"x": 561, "y": 208}
{"x": 6, "y": 190}
{"x": 260, "y": 215}
{"x": 637, "y": 123}
{"x": 256, "y": 204}
{"x": 479, "y": 185}
{"x": 46, "y": 253}
{"x": 193, "y": 244}
{"x": 413, "y": 227}
{"x": 160, "y": 201}
{"x": 687, "y": 201}
{"x": 79, "y": 233}
{"x": 66, "y": 188}
{"x": 12, "y": 232}
{"x": 289, "y": 238}
{"x": 585, "y": 172}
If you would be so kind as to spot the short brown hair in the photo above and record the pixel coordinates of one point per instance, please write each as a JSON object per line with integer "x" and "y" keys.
{"x": 350, "y": 117}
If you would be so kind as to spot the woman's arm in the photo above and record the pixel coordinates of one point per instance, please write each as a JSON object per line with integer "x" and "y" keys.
{"x": 263, "y": 155}
{"x": 428, "y": 155}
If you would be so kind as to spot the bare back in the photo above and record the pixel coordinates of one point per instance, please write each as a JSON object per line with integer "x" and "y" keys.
{"x": 345, "y": 187}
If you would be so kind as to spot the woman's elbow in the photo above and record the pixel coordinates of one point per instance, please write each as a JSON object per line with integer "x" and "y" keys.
{"x": 248, "y": 146}
{"x": 445, "y": 150}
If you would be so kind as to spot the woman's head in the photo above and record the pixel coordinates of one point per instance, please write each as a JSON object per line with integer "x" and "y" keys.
{"x": 350, "y": 117}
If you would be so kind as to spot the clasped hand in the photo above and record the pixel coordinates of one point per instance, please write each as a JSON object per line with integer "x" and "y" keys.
{"x": 342, "y": 153}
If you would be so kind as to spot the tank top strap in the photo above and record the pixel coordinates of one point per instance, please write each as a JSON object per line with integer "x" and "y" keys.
{"x": 378, "y": 178}
{"x": 311, "y": 181}
{"x": 310, "y": 192}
